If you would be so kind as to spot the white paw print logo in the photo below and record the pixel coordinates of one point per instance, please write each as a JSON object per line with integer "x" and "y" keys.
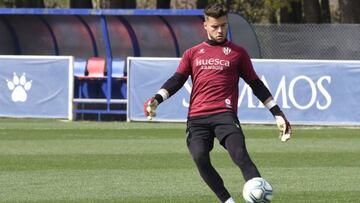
{"x": 19, "y": 87}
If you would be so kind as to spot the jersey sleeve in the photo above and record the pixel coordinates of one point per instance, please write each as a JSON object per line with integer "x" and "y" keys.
{"x": 247, "y": 71}
{"x": 184, "y": 67}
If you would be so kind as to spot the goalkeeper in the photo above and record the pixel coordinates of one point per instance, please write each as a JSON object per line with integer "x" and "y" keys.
{"x": 215, "y": 67}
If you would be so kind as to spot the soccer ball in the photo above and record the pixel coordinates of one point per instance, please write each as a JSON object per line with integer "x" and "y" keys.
{"x": 257, "y": 190}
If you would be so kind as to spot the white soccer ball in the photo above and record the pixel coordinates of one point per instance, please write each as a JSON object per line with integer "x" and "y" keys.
{"x": 257, "y": 190}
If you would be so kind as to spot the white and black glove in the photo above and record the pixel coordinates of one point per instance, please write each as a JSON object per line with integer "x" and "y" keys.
{"x": 281, "y": 121}
{"x": 151, "y": 104}
{"x": 284, "y": 126}
{"x": 150, "y": 108}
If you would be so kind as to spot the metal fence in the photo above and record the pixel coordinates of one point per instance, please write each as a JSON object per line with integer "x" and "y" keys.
{"x": 309, "y": 41}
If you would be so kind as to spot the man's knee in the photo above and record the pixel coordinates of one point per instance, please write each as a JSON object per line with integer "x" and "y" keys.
{"x": 237, "y": 150}
{"x": 242, "y": 159}
{"x": 201, "y": 158}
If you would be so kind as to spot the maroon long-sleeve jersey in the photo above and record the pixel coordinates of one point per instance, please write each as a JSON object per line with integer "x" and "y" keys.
{"x": 215, "y": 71}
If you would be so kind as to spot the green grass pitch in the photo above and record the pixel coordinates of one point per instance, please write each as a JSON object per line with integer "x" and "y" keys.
{"x": 55, "y": 161}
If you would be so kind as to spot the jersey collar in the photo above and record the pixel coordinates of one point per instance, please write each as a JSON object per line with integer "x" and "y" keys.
{"x": 215, "y": 43}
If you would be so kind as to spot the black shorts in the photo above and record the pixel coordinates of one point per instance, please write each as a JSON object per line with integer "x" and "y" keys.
{"x": 218, "y": 125}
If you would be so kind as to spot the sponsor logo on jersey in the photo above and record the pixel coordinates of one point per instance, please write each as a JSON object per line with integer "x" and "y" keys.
{"x": 226, "y": 50}
{"x": 201, "y": 51}
{"x": 228, "y": 103}
{"x": 212, "y": 63}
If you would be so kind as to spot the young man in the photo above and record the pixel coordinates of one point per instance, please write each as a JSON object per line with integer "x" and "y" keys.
{"x": 215, "y": 67}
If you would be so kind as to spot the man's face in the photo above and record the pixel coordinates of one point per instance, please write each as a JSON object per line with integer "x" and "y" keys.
{"x": 216, "y": 28}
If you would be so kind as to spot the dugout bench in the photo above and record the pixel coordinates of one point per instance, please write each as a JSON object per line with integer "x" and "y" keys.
{"x": 111, "y": 35}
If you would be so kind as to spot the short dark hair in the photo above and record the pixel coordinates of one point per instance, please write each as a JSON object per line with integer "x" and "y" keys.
{"x": 215, "y": 10}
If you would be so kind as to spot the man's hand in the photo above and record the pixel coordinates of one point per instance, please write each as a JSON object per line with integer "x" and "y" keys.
{"x": 284, "y": 127}
{"x": 150, "y": 108}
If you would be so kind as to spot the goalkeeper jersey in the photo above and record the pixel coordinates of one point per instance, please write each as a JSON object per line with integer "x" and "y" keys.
{"x": 215, "y": 71}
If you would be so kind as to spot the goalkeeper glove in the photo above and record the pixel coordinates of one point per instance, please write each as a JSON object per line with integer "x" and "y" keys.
{"x": 284, "y": 126}
{"x": 150, "y": 108}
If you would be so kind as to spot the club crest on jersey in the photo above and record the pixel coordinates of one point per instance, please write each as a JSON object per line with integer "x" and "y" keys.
{"x": 226, "y": 50}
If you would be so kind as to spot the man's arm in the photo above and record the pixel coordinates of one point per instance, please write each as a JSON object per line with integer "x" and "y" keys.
{"x": 264, "y": 95}
{"x": 170, "y": 87}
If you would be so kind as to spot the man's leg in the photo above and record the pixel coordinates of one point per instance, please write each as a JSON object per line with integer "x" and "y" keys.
{"x": 235, "y": 144}
{"x": 231, "y": 136}
{"x": 200, "y": 142}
